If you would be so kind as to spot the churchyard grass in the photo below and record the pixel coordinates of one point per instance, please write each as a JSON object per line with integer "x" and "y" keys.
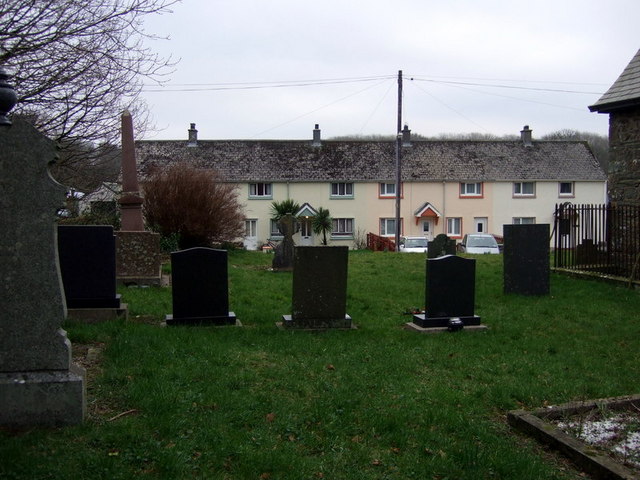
{"x": 376, "y": 402}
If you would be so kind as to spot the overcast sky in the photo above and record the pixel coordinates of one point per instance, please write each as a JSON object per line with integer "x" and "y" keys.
{"x": 272, "y": 69}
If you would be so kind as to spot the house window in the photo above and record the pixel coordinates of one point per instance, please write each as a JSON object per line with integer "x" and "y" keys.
{"x": 524, "y": 220}
{"x": 471, "y": 189}
{"x": 454, "y": 227}
{"x": 260, "y": 190}
{"x": 251, "y": 228}
{"x": 275, "y": 232}
{"x": 388, "y": 227}
{"x": 565, "y": 189}
{"x": 388, "y": 190}
{"x": 524, "y": 189}
{"x": 342, "y": 227}
{"x": 342, "y": 189}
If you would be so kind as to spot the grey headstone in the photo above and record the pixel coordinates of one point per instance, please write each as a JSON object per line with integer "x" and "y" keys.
{"x": 284, "y": 252}
{"x": 526, "y": 259}
{"x": 38, "y": 383}
{"x": 88, "y": 265}
{"x": 200, "y": 288}
{"x": 319, "y": 288}
{"x": 450, "y": 292}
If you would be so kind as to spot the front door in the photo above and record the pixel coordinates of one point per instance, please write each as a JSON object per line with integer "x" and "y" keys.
{"x": 250, "y": 234}
{"x": 481, "y": 224}
{"x": 306, "y": 232}
{"x": 427, "y": 229}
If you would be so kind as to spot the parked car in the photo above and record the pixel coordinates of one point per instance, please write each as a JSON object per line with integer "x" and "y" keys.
{"x": 413, "y": 244}
{"x": 479, "y": 243}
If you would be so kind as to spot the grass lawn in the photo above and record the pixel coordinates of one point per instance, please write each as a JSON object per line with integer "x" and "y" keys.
{"x": 378, "y": 402}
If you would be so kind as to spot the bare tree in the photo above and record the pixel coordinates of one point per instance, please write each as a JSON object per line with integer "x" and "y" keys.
{"x": 194, "y": 204}
{"x": 77, "y": 64}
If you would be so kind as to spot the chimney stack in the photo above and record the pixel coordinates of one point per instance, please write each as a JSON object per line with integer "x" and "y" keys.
{"x": 193, "y": 136}
{"x": 406, "y": 136}
{"x": 316, "y": 137}
{"x": 526, "y": 136}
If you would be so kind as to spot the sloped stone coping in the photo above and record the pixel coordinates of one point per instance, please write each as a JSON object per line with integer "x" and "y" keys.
{"x": 537, "y": 423}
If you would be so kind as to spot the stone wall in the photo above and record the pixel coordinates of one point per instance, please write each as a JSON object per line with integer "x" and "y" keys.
{"x": 624, "y": 166}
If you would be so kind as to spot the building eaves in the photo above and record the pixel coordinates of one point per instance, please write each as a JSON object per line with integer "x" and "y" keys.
{"x": 624, "y": 92}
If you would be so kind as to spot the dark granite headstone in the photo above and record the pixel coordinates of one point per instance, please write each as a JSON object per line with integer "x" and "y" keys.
{"x": 200, "y": 288}
{"x": 526, "y": 259}
{"x": 39, "y": 384}
{"x": 87, "y": 255}
{"x": 319, "y": 288}
{"x": 450, "y": 292}
{"x": 440, "y": 246}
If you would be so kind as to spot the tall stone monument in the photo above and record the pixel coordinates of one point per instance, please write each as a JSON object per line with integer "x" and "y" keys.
{"x": 39, "y": 385}
{"x": 137, "y": 251}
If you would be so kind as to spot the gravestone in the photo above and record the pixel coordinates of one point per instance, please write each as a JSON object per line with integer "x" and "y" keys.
{"x": 87, "y": 256}
{"x": 200, "y": 288}
{"x": 137, "y": 251}
{"x": 284, "y": 252}
{"x": 440, "y": 246}
{"x": 39, "y": 385}
{"x": 449, "y": 294}
{"x": 526, "y": 259}
{"x": 319, "y": 288}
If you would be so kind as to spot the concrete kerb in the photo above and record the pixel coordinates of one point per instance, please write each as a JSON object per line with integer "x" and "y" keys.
{"x": 537, "y": 423}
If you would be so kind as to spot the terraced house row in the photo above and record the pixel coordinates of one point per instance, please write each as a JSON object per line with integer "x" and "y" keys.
{"x": 452, "y": 187}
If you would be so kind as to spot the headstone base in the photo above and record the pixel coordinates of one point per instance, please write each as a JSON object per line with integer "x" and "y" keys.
{"x": 316, "y": 324}
{"x": 155, "y": 281}
{"x": 438, "y": 322}
{"x": 95, "y": 303}
{"x": 418, "y": 328}
{"x": 221, "y": 320}
{"x": 43, "y": 398}
{"x": 97, "y": 315}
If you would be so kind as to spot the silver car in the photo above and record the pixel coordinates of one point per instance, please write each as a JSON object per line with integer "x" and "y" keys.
{"x": 479, "y": 243}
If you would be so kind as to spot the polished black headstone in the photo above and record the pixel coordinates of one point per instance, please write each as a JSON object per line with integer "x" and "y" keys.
{"x": 87, "y": 255}
{"x": 526, "y": 259}
{"x": 319, "y": 288}
{"x": 200, "y": 288}
{"x": 450, "y": 292}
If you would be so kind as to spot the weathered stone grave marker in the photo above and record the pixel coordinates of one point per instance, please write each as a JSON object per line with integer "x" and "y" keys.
{"x": 319, "y": 288}
{"x": 284, "y": 252}
{"x": 450, "y": 295}
{"x": 200, "y": 288}
{"x": 87, "y": 255}
{"x": 526, "y": 259}
{"x": 440, "y": 246}
{"x": 137, "y": 251}
{"x": 39, "y": 385}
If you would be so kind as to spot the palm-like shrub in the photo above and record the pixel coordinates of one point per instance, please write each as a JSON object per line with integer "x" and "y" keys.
{"x": 322, "y": 223}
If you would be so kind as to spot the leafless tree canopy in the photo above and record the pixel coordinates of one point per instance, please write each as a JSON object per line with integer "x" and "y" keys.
{"x": 77, "y": 64}
{"x": 195, "y": 204}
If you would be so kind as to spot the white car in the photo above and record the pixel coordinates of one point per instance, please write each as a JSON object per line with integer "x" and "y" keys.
{"x": 479, "y": 243}
{"x": 413, "y": 244}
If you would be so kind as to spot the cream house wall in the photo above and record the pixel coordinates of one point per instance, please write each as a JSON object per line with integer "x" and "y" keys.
{"x": 497, "y": 204}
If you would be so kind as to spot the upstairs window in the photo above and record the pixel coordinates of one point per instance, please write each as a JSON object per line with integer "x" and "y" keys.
{"x": 524, "y": 189}
{"x": 342, "y": 189}
{"x": 260, "y": 190}
{"x": 565, "y": 189}
{"x": 471, "y": 189}
{"x": 388, "y": 190}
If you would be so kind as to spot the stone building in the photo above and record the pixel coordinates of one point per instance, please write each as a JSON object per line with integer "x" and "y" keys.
{"x": 622, "y": 103}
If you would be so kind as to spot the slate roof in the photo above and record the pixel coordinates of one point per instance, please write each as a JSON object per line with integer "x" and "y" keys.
{"x": 625, "y": 91}
{"x": 245, "y": 161}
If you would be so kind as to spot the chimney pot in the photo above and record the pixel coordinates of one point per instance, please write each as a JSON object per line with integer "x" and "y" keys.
{"x": 193, "y": 136}
{"x": 406, "y": 136}
{"x": 316, "y": 136}
{"x": 526, "y": 135}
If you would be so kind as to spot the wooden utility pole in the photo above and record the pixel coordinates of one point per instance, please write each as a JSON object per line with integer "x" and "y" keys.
{"x": 398, "y": 160}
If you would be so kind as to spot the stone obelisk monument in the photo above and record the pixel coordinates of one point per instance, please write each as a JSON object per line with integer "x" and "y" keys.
{"x": 137, "y": 251}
